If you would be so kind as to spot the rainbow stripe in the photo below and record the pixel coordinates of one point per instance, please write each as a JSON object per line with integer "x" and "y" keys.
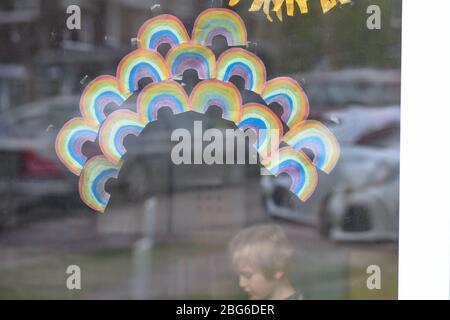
{"x": 219, "y": 22}
{"x": 288, "y": 93}
{"x": 217, "y": 93}
{"x": 95, "y": 174}
{"x": 268, "y": 127}
{"x": 157, "y": 95}
{"x": 164, "y": 28}
{"x": 138, "y": 64}
{"x": 116, "y": 127}
{"x": 240, "y": 62}
{"x": 192, "y": 56}
{"x": 300, "y": 169}
{"x": 69, "y": 143}
{"x": 100, "y": 92}
{"x": 314, "y": 136}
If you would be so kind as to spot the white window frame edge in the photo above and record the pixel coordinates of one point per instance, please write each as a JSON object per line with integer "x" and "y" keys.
{"x": 424, "y": 244}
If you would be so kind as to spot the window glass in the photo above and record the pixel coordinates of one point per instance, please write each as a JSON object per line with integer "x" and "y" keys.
{"x": 175, "y": 225}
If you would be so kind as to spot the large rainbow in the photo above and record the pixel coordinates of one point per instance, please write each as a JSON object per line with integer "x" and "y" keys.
{"x": 161, "y": 29}
{"x": 268, "y": 127}
{"x": 243, "y": 63}
{"x": 288, "y": 93}
{"x": 116, "y": 127}
{"x": 297, "y": 165}
{"x": 219, "y": 22}
{"x": 138, "y": 64}
{"x": 100, "y": 92}
{"x": 157, "y": 95}
{"x": 217, "y": 93}
{"x": 69, "y": 143}
{"x": 192, "y": 56}
{"x": 97, "y": 171}
{"x": 215, "y": 90}
{"x": 313, "y": 135}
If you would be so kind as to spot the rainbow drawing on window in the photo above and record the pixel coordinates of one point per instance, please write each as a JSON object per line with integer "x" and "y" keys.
{"x": 186, "y": 53}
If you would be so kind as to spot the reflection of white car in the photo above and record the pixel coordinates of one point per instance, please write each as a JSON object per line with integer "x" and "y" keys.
{"x": 363, "y": 204}
{"x": 340, "y": 88}
{"x": 358, "y": 200}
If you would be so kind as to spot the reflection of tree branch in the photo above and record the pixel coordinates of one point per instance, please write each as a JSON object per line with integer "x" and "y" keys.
{"x": 327, "y": 5}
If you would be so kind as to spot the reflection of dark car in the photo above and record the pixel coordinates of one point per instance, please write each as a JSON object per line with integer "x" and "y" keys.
{"x": 358, "y": 200}
{"x": 31, "y": 173}
{"x": 29, "y": 166}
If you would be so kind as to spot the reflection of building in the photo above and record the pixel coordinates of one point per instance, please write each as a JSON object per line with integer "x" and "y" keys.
{"x": 12, "y": 79}
{"x": 53, "y": 59}
{"x": 41, "y": 57}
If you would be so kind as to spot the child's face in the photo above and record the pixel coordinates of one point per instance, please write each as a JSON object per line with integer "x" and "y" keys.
{"x": 255, "y": 283}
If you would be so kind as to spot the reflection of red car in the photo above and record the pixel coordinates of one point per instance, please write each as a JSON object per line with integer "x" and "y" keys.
{"x": 31, "y": 173}
{"x": 29, "y": 165}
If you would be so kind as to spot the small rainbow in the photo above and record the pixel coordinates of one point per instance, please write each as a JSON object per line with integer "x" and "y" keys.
{"x": 219, "y": 22}
{"x": 240, "y": 62}
{"x": 314, "y": 136}
{"x": 100, "y": 92}
{"x": 138, "y": 64}
{"x": 288, "y": 93}
{"x": 97, "y": 171}
{"x": 192, "y": 56}
{"x": 157, "y": 95}
{"x": 268, "y": 127}
{"x": 217, "y": 93}
{"x": 115, "y": 128}
{"x": 69, "y": 143}
{"x": 164, "y": 28}
{"x": 300, "y": 169}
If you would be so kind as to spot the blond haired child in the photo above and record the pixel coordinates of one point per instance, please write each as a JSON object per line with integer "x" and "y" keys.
{"x": 261, "y": 256}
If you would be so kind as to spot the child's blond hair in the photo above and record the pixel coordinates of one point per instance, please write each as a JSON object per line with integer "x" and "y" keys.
{"x": 263, "y": 247}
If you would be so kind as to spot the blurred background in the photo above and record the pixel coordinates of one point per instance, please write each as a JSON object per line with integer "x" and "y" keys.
{"x": 166, "y": 229}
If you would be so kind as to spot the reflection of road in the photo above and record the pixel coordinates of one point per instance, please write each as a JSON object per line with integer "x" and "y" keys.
{"x": 191, "y": 262}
